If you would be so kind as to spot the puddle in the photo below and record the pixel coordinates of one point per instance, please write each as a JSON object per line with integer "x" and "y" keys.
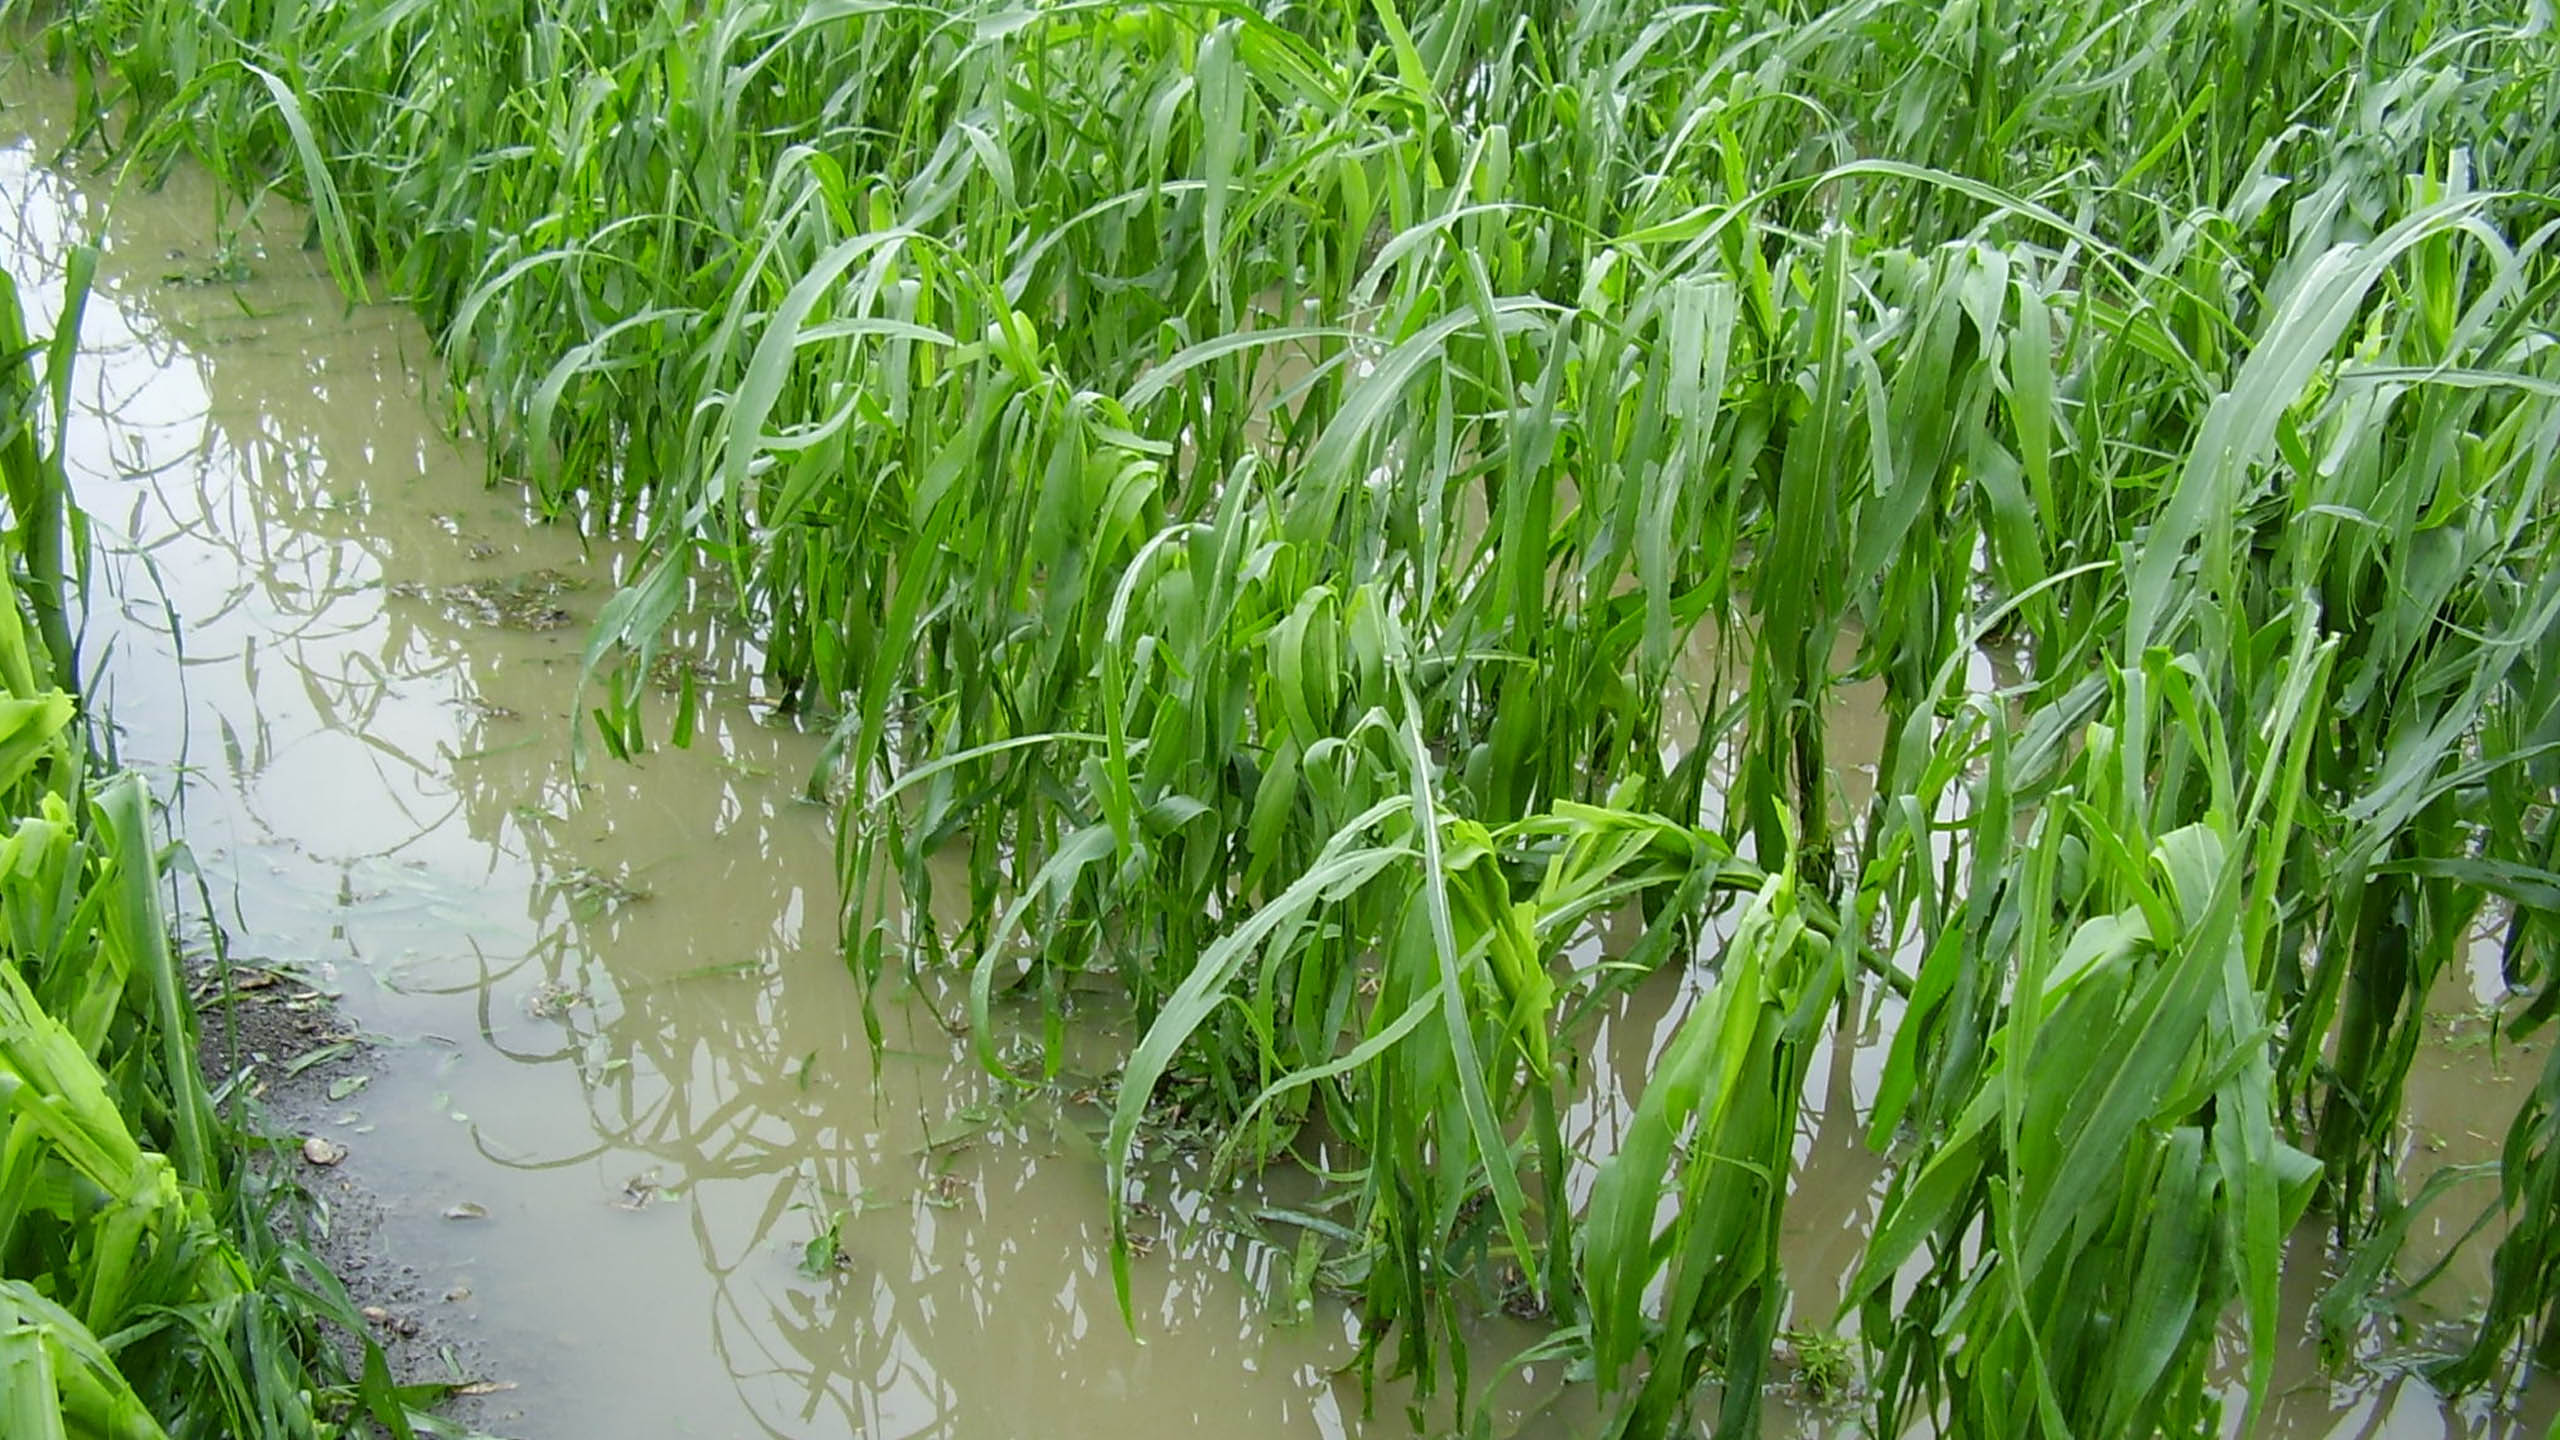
{"x": 625, "y": 1109}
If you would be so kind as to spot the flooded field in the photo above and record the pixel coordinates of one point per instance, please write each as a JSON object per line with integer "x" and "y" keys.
{"x": 621, "y": 1106}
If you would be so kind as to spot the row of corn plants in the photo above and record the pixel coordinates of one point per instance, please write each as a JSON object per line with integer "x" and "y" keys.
{"x": 1257, "y": 483}
{"x": 151, "y": 1281}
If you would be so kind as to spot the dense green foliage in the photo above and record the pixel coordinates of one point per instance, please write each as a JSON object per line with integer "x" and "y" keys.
{"x": 147, "y": 1288}
{"x": 1254, "y": 481}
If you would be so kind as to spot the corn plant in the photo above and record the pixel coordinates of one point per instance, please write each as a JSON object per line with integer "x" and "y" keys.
{"x": 1256, "y": 481}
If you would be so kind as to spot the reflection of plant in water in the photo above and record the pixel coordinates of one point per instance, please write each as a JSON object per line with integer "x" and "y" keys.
{"x": 757, "y": 1128}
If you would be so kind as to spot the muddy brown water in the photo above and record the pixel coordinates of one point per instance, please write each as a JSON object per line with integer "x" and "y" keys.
{"x": 615, "y": 1032}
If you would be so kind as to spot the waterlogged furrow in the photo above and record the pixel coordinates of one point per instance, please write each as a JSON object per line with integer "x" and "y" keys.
{"x": 147, "y": 1287}
{"x": 2199, "y": 356}
{"x": 608, "y": 1112}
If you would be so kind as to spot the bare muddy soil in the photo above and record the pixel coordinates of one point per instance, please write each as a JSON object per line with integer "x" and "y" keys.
{"x": 284, "y": 1053}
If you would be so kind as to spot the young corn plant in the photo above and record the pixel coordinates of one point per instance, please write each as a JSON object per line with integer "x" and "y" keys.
{"x": 1261, "y": 483}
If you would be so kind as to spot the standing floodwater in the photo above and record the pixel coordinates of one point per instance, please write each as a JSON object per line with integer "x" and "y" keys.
{"x": 613, "y": 1012}
{"x": 622, "y": 1111}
